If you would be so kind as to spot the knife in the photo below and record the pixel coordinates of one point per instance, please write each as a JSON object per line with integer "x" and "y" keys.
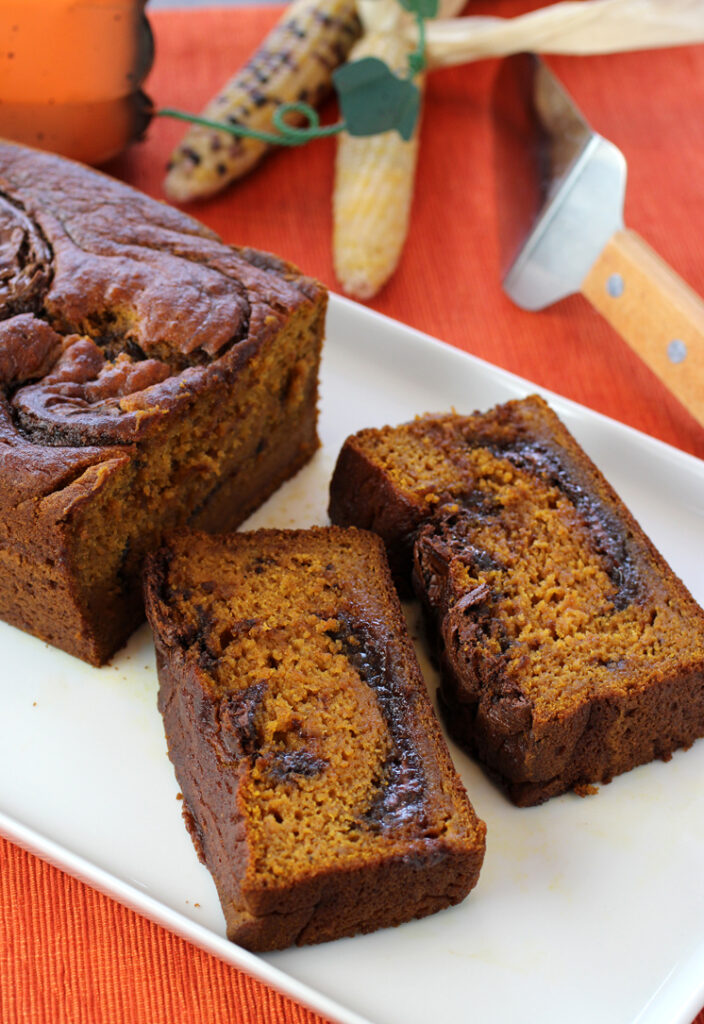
{"x": 560, "y": 196}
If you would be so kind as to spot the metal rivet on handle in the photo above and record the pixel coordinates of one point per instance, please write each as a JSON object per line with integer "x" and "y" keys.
{"x": 615, "y": 286}
{"x": 676, "y": 351}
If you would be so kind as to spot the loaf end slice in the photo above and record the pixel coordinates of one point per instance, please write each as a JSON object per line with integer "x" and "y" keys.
{"x": 152, "y": 378}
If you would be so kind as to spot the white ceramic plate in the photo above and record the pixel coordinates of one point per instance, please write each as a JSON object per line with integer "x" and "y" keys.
{"x": 586, "y": 910}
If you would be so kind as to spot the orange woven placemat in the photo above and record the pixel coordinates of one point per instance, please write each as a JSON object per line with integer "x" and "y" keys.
{"x": 448, "y": 282}
{"x": 69, "y": 954}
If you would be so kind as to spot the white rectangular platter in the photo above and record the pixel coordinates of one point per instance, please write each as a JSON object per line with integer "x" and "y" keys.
{"x": 586, "y": 910}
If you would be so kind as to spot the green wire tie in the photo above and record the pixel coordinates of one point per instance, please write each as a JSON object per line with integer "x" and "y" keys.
{"x": 373, "y": 99}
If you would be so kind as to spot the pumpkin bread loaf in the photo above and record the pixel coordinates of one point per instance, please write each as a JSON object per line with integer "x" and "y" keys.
{"x": 317, "y": 786}
{"x": 569, "y": 650}
{"x": 151, "y": 377}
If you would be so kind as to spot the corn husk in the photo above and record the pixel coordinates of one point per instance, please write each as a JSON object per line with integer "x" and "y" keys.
{"x": 581, "y": 28}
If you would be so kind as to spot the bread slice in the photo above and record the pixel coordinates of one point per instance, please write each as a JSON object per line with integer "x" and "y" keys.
{"x": 317, "y": 785}
{"x": 570, "y": 651}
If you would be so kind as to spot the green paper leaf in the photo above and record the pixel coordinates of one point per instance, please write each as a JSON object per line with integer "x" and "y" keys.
{"x": 373, "y": 99}
{"x": 425, "y": 8}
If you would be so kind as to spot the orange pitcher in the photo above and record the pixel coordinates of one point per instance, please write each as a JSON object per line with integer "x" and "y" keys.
{"x": 70, "y": 74}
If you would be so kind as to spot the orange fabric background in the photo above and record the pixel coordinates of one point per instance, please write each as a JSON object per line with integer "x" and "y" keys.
{"x": 68, "y": 954}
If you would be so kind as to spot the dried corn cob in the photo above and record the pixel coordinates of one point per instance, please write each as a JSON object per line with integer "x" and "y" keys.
{"x": 374, "y": 175}
{"x": 373, "y": 189}
{"x": 293, "y": 64}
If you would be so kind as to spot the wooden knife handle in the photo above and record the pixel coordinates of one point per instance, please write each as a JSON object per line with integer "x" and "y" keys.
{"x": 653, "y": 309}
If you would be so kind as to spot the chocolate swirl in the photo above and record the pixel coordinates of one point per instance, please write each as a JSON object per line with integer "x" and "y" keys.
{"x": 29, "y": 349}
{"x": 85, "y": 397}
{"x": 115, "y": 309}
{"x": 25, "y": 260}
{"x": 402, "y": 794}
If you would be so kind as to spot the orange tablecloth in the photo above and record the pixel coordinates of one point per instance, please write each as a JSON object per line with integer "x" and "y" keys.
{"x": 68, "y": 954}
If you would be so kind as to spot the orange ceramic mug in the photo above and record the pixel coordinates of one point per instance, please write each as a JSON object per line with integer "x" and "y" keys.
{"x": 70, "y": 75}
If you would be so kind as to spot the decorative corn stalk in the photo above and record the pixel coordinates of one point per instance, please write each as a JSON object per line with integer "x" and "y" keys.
{"x": 294, "y": 64}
